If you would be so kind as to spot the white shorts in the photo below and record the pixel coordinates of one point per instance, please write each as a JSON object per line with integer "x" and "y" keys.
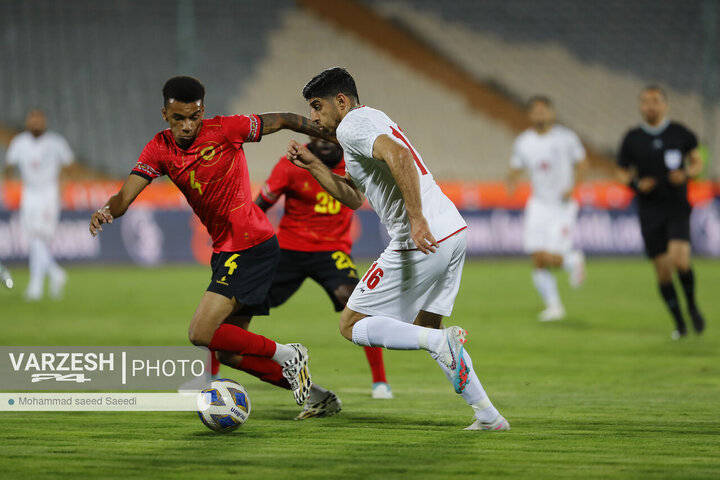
{"x": 400, "y": 284}
{"x": 39, "y": 218}
{"x": 548, "y": 227}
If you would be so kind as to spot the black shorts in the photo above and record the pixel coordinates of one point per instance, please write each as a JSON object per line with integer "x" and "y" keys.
{"x": 329, "y": 269}
{"x": 246, "y": 276}
{"x": 658, "y": 227}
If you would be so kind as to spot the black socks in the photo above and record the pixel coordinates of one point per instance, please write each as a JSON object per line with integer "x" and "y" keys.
{"x": 671, "y": 300}
{"x": 687, "y": 280}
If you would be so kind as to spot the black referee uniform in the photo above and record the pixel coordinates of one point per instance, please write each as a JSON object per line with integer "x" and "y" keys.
{"x": 664, "y": 211}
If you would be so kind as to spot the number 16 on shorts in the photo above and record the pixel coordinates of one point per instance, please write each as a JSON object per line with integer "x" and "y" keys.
{"x": 373, "y": 276}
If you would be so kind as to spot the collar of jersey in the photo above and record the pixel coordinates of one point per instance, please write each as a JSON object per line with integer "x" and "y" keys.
{"x": 654, "y": 131}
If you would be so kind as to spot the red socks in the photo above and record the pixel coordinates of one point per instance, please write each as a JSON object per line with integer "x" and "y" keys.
{"x": 265, "y": 369}
{"x": 235, "y": 339}
{"x": 375, "y": 359}
{"x": 214, "y": 364}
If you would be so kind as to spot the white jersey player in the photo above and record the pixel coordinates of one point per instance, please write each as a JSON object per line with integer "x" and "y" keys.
{"x": 40, "y": 155}
{"x": 399, "y": 303}
{"x": 554, "y": 158}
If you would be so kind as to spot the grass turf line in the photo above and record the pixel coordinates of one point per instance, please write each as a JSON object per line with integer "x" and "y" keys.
{"x": 603, "y": 394}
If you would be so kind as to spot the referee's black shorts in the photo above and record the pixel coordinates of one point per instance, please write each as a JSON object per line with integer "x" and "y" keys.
{"x": 660, "y": 225}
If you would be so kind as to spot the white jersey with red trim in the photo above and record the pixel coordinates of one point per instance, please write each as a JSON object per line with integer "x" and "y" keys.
{"x": 357, "y": 133}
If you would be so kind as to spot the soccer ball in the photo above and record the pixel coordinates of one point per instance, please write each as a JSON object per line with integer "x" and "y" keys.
{"x": 224, "y": 405}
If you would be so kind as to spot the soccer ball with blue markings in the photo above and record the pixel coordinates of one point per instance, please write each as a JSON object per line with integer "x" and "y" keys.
{"x": 224, "y": 405}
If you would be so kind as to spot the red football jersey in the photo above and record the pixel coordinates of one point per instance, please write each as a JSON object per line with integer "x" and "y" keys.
{"x": 313, "y": 221}
{"x": 212, "y": 174}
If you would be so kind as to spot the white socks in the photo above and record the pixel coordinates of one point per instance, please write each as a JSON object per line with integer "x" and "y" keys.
{"x": 41, "y": 264}
{"x": 546, "y": 286}
{"x": 283, "y": 353}
{"x": 379, "y": 331}
{"x": 474, "y": 394}
{"x": 572, "y": 260}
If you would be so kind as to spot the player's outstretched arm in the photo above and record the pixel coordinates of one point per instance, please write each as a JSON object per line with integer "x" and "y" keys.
{"x": 402, "y": 167}
{"x": 342, "y": 189}
{"x": 512, "y": 180}
{"x": 118, "y": 204}
{"x": 579, "y": 172}
{"x": 272, "y": 122}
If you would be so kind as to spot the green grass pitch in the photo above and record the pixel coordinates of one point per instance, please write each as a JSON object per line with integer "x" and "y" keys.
{"x": 603, "y": 394}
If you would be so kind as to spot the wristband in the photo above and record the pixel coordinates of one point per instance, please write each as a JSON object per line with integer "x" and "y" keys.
{"x": 633, "y": 183}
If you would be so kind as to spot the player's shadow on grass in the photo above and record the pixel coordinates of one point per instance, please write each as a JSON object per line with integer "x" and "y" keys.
{"x": 347, "y": 415}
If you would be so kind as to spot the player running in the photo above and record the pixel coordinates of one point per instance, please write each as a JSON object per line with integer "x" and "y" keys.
{"x": 555, "y": 159}
{"x": 400, "y": 301}
{"x": 656, "y": 160}
{"x": 40, "y": 156}
{"x": 205, "y": 159}
{"x": 315, "y": 242}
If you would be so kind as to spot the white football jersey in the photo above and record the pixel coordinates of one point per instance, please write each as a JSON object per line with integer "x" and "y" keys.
{"x": 39, "y": 161}
{"x": 357, "y": 133}
{"x": 549, "y": 159}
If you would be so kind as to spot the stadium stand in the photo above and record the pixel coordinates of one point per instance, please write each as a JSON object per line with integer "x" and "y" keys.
{"x": 100, "y": 82}
{"x": 593, "y": 70}
{"x": 255, "y": 56}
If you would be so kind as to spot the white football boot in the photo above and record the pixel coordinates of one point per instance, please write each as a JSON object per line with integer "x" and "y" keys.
{"x": 327, "y": 407}
{"x": 296, "y": 372}
{"x": 450, "y": 353}
{"x": 552, "y": 314}
{"x": 5, "y": 277}
{"x": 381, "y": 391}
{"x": 498, "y": 424}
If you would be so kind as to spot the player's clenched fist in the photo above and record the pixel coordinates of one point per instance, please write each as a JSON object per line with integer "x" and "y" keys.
{"x": 299, "y": 155}
{"x": 98, "y": 218}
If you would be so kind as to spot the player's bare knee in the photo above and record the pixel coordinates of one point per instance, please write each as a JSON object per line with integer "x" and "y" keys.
{"x": 348, "y": 319}
{"x": 200, "y": 335}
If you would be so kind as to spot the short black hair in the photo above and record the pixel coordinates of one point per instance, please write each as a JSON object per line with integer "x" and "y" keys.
{"x": 539, "y": 98}
{"x": 183, "y": 89}
{"x": 655, "y": 88}
{"x": 329, "y": 83}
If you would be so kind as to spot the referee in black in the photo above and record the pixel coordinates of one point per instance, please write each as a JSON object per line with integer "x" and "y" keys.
{"x": 656, "y": 159}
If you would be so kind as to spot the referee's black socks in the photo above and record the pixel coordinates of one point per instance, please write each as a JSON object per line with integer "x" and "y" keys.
{"x": 671, "y": 300}
{"x": 687, "y": 280}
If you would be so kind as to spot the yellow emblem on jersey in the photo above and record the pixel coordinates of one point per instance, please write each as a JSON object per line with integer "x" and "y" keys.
{"x": 208, "y": 153}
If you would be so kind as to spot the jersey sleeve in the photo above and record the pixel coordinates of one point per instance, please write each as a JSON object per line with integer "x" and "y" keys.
{"x": 277, "y": 183}
{"x": 148, "y": 165}
{"x": 691, "y": 143}
{"x": 625, "y": 159}
{"x": 357, "y": 134}
{"x": 517, "y": 160}
{"x": 64, "y": 151}
{"x": 577, "y": 151}
{"x": 12, "y": 157}
{"x": 242, "y": 128}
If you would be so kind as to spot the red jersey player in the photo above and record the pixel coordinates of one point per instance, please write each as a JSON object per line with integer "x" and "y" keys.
{"x": 315, "y": 241}
{"x": 205, "y": 159}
